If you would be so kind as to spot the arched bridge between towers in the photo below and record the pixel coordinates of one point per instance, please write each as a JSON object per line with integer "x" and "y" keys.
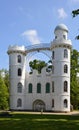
{"x": 38, "y": 47}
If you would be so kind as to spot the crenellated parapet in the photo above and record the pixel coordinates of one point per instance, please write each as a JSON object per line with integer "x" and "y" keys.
{"x": 16, "y": 49}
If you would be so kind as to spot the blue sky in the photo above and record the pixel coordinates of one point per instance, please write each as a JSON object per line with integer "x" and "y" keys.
{"x": 29, "y": 22}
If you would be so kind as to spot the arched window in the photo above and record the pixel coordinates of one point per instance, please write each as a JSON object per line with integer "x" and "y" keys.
{"x": 52, "y": 102}
{"x": 19, "y": 87}
{"x": 19, "y": 102}
{"x": 65, "y": 53}
{"x": 65, "y": 86}
{"x": 53, "y": 54}
{"x": 52, "y": 69}
{"x": 65, "y": 69}
{"x": 52, "y": 86}
{"x": 30, "y": 88}
{"x": 19, "y": 72}
{"x": 47, "y": 87}
{"x": 38, "y": 88}
{"x": 64, "y": 36}
{"x": 65, "y": 103}
{"x": 19, "y": 59}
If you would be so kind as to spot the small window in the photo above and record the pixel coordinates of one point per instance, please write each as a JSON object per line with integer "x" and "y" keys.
{"x": 55, "y": 37}
{"x": 30, "y": 88}
{"x": 65, "y": 53}
{"x": 52, "y": 102}
{"x": 47, "y": 87}
{"x": 19, "y": 72}
{"x": 19, "y": 102}
{"x": 65, "y": 86}
{"x": 19, "y": 88}
{"x": 38, "y": 88}
{"x": 53, "y": 55}
{"x": 65, "y": 103}
{"x": 52, "y": 86}
{"x": 19, "y": 59}
{"x": 65, "y": 69}
{"x": 64, "y": 36}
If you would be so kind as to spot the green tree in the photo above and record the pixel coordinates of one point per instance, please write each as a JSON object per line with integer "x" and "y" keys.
{"x": 74, "y": 81}
{"x": 37, "y": 64}
{"x": 74, "y": 14}
{"x": 3, "y": 95}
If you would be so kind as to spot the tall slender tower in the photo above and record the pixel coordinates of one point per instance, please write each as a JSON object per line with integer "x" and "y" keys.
{"x": 17, "y": 65}
{"x": 61, "y": 69}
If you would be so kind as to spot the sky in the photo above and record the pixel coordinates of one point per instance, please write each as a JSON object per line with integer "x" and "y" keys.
{"x": 29, "y": 22}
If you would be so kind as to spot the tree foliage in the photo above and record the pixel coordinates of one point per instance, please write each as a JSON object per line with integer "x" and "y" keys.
{"x": 4, "y": 87}
{"x": 37, "y": 64}
{"x": 74, "y": 81}
{"x": 74, "y": 14}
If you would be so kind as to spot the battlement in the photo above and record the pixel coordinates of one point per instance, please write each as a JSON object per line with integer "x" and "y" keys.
{"x": 16, "y": 48}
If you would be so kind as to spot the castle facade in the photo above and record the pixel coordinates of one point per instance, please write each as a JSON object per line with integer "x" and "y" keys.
{"x": 48, "y": 91}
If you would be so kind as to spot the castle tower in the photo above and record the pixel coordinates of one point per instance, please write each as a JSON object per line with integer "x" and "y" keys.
{"x": 17, "y": 69}
{"x": 60, "y": 47}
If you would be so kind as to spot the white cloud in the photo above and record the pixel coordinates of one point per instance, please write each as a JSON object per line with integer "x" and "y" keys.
{"x": 31, "y": 36}
{"x": 61, "y": 13}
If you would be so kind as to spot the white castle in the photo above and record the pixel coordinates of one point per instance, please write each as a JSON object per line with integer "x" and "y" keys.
{"x": 48, "y": 91}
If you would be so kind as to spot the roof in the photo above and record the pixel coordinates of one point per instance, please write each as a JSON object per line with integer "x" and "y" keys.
{"x": 61, "y": 27}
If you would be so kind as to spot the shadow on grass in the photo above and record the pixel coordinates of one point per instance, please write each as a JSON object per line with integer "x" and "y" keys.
{"x": 20, "y": 121}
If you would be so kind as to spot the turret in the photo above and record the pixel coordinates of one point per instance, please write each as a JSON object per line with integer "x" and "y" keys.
{"x": 60, "y": 47}
{"x": 17, "y": 69}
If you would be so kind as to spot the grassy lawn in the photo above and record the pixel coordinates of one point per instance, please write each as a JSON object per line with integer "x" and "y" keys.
{"x": 24, "y": 121}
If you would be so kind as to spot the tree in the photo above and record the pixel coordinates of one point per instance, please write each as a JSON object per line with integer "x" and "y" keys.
{"x": 3, "y": 95}
{"x": 37, "y": 64}
{"x": 74, "y": 14}
{"x": 74, "y": 81}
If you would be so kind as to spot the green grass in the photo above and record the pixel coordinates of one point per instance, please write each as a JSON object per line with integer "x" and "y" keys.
{"x": 24, "y": 121}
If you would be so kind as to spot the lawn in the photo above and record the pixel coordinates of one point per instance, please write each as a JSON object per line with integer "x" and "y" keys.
{"x": 24, "y": 121}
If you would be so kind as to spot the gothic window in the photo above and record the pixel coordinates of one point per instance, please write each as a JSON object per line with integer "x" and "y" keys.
{"x": 38, "y": 88}
{"x": 65, "y": 68}
{"x": 65, "y": 86}
{"x": 19, "y": 88}
{"x": 19, "y": 72}
{"x": 19, "y": 102}
{"x": 47, "y": 87}
{"x": 52, "y": 102}
{"x": 65, "y": 103}
{"x": 53, "y": 55}
{"x": 65, "y": 53}
{"x": 30, "y": 88}
{"x": 52, "y": 86}
{"x": 19, "y": 59}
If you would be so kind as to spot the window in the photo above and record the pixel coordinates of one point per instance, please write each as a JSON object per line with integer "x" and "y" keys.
{"x": 52, "y": 102}
{"x": 19, "y": 59}
{"x": 55, "y": 37}
{"x": 47, "y": 87}
{"x": 30, "y": 88}
{"x": 65, "y": 103}
{"x": 65, "y": 53}
{"x": 64, "y": 36}
{"x": 52, "y": 86}
{"x": 65, "y": 69}
{"x": 52, "y": 69}
{"x": 65, "y": 86}
{"x": 38, "y": 88}
{"x": 19, "y": 88}
{"x": 19, "y": 72}
{"x": 53, "y": 55}
{"x": 19, "y": 103}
